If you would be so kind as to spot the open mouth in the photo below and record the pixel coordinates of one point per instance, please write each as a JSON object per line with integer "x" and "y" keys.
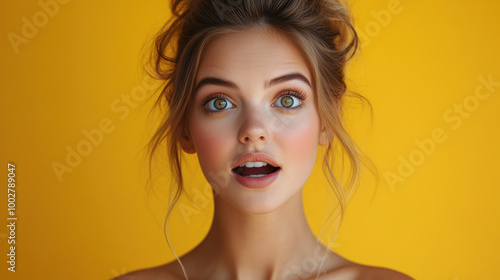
{"x": 255, "y": 169}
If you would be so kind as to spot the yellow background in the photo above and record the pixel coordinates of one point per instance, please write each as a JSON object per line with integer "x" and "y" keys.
{"x": 440, "y": 222}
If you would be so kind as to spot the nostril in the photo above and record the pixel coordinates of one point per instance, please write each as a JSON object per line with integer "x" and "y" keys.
{"x": 254, "y": 135}
{"x": 249, "y": 139}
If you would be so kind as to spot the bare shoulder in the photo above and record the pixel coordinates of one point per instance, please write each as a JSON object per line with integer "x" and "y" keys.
{"x": 355, "y": 271}
{"x": 375, "y": 273}
{"x": 162, "y": 272}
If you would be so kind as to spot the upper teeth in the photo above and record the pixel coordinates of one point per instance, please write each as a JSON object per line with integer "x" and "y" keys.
{"x": 254, "y": 164}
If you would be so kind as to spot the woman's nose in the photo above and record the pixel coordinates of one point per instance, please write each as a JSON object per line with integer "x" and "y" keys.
{"x": 254, "y": 128}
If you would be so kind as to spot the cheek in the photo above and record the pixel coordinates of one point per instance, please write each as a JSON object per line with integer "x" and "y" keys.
{"x": 301, "y": 135}
{"x": 212, "y": 144}
{"x": 299, "y": 143}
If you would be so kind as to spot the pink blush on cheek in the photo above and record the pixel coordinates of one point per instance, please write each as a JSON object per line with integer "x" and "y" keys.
{"x": 301, "y": 135}
{"x": 213, "y": 146}
{"x": 299, "y": 144}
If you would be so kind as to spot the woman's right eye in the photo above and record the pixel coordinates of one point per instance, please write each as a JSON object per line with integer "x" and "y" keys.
{"x": 219, "y": 104}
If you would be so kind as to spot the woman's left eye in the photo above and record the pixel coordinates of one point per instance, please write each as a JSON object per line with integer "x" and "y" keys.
{"x": 288, "y": 101}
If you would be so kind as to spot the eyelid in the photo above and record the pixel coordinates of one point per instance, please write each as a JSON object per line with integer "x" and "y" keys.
{"x": 297, "y": 93}
{"x": 210, "y": 97}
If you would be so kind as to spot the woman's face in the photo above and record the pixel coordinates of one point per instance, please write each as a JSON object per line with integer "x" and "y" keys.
{"x": 254, "y": 102}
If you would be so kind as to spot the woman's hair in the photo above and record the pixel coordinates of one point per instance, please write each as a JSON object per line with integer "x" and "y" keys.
{"x": 321, "y": 29}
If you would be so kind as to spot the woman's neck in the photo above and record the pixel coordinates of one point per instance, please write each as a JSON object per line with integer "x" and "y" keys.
{"x": 259, "y": 246}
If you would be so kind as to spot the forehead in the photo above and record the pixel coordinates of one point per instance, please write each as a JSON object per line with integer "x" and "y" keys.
{"x": 254, "y": 54}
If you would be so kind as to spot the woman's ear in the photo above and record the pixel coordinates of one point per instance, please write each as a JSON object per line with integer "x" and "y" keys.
{"x": 324, "y": 136}
{"x": 186, "y": 142}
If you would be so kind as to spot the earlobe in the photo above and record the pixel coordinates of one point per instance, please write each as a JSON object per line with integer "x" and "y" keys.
{"x": 187, "y": 143}
{"x": 324, "y": 138}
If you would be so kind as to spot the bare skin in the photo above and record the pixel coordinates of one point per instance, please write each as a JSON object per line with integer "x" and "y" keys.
{"x": 258, "y": 234}
{"x": 209, "y": 259}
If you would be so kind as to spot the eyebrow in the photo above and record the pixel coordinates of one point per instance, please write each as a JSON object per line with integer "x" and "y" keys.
{"x": 229, "y": 84}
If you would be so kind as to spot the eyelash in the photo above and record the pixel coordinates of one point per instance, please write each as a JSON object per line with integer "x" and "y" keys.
{"x": 299, "y": 94}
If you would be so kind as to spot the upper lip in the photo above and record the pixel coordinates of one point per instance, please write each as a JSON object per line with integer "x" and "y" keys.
{"x": 252, "y": 157}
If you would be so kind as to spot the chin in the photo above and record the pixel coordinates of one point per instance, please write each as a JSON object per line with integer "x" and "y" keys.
{"x": 256, "y": 201}
{"x": 254, "y": 207}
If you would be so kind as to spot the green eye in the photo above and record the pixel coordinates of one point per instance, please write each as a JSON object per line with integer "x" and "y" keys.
{"x": 288, "y": 101}
{"x": 219, "y": 104}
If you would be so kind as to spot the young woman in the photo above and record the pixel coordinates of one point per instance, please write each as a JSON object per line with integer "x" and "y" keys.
{"x": 254, "y": 88}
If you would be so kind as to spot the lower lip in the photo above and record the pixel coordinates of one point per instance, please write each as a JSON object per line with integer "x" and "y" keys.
{"x": 257, "y": 182}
